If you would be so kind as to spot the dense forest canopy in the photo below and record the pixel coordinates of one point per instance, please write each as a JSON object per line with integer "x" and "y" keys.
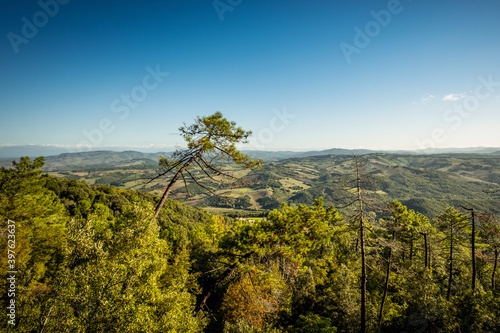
{"x": 91, "y": 258}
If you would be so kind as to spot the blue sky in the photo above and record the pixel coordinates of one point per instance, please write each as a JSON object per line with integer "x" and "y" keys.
{"x": 300, "y": 74}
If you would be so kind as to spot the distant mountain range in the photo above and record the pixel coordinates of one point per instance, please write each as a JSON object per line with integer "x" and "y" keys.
{"x": 271, "y": 156}
{"x": 46, "y": 150}
{"x": 93, "y": 159}
{"x": 59, "y": 155}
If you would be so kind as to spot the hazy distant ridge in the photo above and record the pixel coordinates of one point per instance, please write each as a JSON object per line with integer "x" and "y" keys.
{"x": 58, "y": 155}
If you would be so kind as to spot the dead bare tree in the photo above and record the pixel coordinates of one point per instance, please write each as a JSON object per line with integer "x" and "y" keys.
{"x": 473, "y": 245}
{"x": 490, "y": 229}
{"x": 360, "y": 218}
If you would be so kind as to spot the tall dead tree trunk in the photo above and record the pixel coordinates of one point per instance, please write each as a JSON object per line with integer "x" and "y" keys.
{"x": 386, "y": 285}
{"x": 452, "y": 223}
{"x": 473, "y": 244}
{"x": 429, "y": 249}
{"x": 494, "y": 269}
{"x": 450, "y": 272}
{"x": 362, "y": 245}
{"x": 426, "y": 252}
{"x": 473, "y": 247}
{"x": 359, "y": 222}
{"x": 411, "y": 250}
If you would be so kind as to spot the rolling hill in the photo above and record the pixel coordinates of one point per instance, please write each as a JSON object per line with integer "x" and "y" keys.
{"x": 426, "y": 183}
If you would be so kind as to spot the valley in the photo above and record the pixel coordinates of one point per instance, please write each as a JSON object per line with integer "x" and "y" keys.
{"x": 426, "y": 183}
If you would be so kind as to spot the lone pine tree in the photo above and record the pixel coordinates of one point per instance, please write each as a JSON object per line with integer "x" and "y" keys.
{"x": 209, "y": 140}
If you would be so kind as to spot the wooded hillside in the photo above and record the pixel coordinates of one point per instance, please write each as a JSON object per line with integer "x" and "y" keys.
{"x": 91, "y": 258}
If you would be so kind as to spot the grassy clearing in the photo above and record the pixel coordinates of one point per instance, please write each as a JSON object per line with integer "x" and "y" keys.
{"x": 291, "y": 182}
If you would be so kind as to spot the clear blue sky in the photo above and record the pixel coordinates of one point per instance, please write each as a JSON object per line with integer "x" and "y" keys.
{"x": 300, "y": 74}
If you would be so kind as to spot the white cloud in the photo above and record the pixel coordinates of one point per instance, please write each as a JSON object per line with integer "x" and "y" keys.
{"x": 428, "y": 97}
{"x": 424, "y": 99}
{"x": 454, "y": 97}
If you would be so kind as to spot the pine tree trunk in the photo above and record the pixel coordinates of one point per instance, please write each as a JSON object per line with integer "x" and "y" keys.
{"x": 363, "y": 276}
{"x": 172, "y": 183}
{"x": 411, "y": 250}
{"x": 429, "y": 249}
{"x": 473, "y": 241}
{"x": 386, "y": 286}
{"x": 494, "y": 270}
{"x": 426, "y": 252}
{"x": 362, "y": 245}
{"x": 451, "y": 268}
{"x": 473, "y": 247}
{"x": 167, "y": 192}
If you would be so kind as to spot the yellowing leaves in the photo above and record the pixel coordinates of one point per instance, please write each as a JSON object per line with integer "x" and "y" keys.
{"x": 253, "y": 296}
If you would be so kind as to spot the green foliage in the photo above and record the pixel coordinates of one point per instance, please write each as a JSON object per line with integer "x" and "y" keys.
{"x": 313, "y": 323}
{"x": 40, "y": 244}
{"x": 107, "y": 269}
{"x": 23, "y": 197}
{"x": 93, "y": 259}
{"x": 266, "y": 179}
{"x": 291, "y": 231}
{"x": 120, "y": 279}
{"x": 218, "y": 135}
{"x": 269, "y": 203}
{"x": 241, "y": 326}
{"x": 210, "y": 141}
{"x": 229, "y": 202}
